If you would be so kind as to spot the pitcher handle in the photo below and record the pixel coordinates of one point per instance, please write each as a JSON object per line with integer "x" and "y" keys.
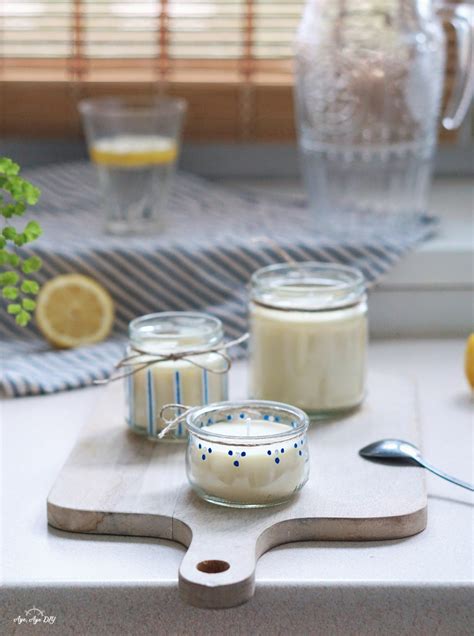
{"x": 461, "y": 17}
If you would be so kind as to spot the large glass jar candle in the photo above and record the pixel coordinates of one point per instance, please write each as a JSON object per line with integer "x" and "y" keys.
{"x": 195, "y": 379}
{"x": 249, "y": 454}
{"x": 308, "y": 326}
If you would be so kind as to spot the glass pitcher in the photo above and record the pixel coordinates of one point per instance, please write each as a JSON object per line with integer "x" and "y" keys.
{"x": 369, "y": 83}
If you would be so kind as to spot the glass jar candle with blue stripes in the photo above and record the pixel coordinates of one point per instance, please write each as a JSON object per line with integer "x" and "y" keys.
{"x": 308, "y": 336}
{"x": 250, "y": 454}
{"x": 197, "y": 378}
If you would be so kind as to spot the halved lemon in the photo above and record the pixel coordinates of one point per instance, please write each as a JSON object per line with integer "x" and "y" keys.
{"x": 74, "y": 310}
{"x": 469, "y": 360}
{"x": 134, "y": 151}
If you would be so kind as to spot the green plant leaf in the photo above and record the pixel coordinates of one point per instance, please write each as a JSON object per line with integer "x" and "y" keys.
{"x": 31, "y": 264}
{"x": 10, "y": 292}
{"x": 9, "y": 258}
{"x": 23, "y": 318}
{"x": 32, "y": 230}
{"x": 8, "y": 167}
{"x": 16, "y": 194}
{"x": 20, "y": 239}
{"x": 11, "y": 209}
{"x": 19, "y": 208}
{"x": 14, "y": 259}
{"x": 29, "y": 304}
{"x": 8, "y": 210}
{"x": 13, "y": 308}
{"x": 30, "y": 287}
{"x": 31, "y": 193}
{"x": 9, "y": 232}
{"x": 8, "y": 278}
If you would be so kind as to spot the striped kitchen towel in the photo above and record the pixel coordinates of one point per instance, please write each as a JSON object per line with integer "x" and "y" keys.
{"x": 202, "y": 260}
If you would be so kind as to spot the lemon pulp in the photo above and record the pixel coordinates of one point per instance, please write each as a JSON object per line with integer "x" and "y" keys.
{"x": 74, "y": 310}
{"x": 126, "y": 151}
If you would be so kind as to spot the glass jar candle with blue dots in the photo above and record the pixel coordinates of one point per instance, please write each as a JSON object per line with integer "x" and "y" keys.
{"x": 171, "y": 360}
{"x": 250, "y": 454}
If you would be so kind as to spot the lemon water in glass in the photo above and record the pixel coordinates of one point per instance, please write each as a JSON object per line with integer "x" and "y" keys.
{"x": 135, "y": 145}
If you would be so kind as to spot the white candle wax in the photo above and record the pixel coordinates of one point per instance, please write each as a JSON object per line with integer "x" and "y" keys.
{"x": 181, "y": 368}
{"x": 312, "y": 359}
{"x": 259, "y": 472}
{"x": 173, "y": 381}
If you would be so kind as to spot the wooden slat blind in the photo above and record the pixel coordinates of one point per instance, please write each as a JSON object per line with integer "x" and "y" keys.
{"x": 230, "y": 58}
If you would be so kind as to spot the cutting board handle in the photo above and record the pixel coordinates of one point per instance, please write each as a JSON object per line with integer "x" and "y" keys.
{"x": 218, "y": 574}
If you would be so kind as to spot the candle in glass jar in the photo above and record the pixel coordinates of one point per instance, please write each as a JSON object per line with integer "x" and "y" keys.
{"x": 196, "y": 380}
{"x": 243, "y": 461}
{"x": 308, "y": 324}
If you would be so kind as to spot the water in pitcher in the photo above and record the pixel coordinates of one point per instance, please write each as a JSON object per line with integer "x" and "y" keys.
{"x": 135, "y": 174}
{"x": 369, "y": 79}
{"x": 357, "y": 187}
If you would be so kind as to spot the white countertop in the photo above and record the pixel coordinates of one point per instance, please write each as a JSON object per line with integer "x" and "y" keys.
{"x": 100, "y": 584}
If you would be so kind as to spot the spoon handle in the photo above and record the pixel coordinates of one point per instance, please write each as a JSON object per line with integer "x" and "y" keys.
{"x": 440, "y": 473}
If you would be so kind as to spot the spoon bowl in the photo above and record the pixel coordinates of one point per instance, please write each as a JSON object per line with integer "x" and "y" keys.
{"x": 393, "y": 450}
{"x": 402, "y": 452}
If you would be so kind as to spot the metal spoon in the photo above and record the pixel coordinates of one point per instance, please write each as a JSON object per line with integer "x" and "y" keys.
{"x": 396, "y": 450}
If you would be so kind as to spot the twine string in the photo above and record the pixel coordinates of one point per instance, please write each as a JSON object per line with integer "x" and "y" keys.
{"x": 130, "y": 365}
{"x": 171, "y": 423}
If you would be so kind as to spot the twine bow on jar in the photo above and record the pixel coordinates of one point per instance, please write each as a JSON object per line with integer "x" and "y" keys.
{"x": 181, "y": 417}
{"x": 171, "y": 423}
{"x": 131, "y": 365}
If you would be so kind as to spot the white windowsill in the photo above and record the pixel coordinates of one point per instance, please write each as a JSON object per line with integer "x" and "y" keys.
{"x": 431, "y": 291}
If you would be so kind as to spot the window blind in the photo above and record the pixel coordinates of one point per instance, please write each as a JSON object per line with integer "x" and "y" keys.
{"x": 83, "y": 37}
{"x": 230, "y": 58}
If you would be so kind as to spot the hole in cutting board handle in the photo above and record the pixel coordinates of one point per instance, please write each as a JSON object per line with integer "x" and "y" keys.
{"x": 213, "y": 566}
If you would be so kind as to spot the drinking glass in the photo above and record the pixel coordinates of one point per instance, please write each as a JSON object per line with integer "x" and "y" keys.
{"x": 134, "y": 142}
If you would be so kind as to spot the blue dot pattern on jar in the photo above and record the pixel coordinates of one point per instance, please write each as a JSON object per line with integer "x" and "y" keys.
{"x": 200, "y": 446}
{"x": 277, "y": 460}
{"x": 236, "y": 464}
{"x": 243, "y": 454}
{"x": 203, "y": 457}
{"x": 300, "y": 453}
{"x": 230, "y": 453}
{"x": 242, "y": 415}
{"x": 295, "y": 445}
{"x": 229, "y": 417}
{"x": 209, "y": 450}
{"x": 269, "y": 452}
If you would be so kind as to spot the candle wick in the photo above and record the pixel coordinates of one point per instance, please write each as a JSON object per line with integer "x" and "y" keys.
{"x": 247, "y": 423}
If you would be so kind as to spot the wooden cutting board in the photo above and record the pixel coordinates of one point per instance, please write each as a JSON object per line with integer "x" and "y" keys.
{"x": 115, "y": 482}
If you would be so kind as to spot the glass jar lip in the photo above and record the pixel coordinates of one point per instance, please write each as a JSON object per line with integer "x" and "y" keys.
{"x": 132, "y": 105}
{"x": 238, "y": 406}
{"x": 143, "y": 328}
{"x": 336, "y": 286}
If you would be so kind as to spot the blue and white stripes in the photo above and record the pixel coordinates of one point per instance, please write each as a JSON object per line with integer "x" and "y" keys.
{"x": 202, "y": 260}
{"x": 178, "y": 399}
{"x": 150, "y": 401}
{"x": 205, "y": 386}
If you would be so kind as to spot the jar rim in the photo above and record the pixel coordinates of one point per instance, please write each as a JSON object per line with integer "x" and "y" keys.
{"x": 123, "y": 106}
{"x": 319, "y": 286}
{"x": 143, "y": 328}
{"x": 277, "y": 408}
